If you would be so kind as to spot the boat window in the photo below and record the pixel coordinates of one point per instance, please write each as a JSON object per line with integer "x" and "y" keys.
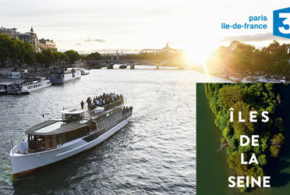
{"x": 72, "y": 135}
{"x": 54, "y": 142}
{"x": 72, "y": 117}
{"x": 48, "y": 142}
{"x": 36, "y": 143}
{"x": 59, "y": 139}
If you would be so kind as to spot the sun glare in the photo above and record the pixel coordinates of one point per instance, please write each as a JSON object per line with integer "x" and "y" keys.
{"x": 198, "y": 41}
{"x": 197, "y": 49}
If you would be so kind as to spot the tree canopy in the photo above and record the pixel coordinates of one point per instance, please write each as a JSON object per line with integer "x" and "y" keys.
{"x": 19, "y": 52}
{"x": 247, "y": 97}
{"x": 241, "y": 57}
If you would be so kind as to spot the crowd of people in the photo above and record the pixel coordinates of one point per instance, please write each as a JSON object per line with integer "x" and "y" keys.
{"x": 126, "y": 109}
{"x": 102, "y": 100}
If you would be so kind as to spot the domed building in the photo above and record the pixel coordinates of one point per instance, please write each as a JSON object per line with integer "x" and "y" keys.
{"x": 166, "y": 49}
{"x": 30, "y": 37}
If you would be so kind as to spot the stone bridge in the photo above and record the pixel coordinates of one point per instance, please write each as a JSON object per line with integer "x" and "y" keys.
{"x": 131, "y": 63}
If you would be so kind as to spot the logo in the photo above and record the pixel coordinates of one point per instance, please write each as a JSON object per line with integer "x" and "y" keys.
{"x": 281, "y": 22}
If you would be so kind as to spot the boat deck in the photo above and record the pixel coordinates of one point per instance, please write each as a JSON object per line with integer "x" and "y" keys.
{"x": 54, "y": 127}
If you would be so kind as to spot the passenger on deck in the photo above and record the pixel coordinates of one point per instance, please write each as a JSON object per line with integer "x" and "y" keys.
{"x": 103, "y": 100}
{"x": 89, "y": 102}
{"x": 82, "y": 104}
{"x": 113, "y": 96}
{"x": 97, "y": 102}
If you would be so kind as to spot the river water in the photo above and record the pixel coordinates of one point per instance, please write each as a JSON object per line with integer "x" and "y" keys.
{"x": 154, "y": 154}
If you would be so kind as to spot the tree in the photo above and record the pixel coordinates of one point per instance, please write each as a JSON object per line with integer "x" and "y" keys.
{"x": 262, "y": 160}
{"x": 245, "y": 98}
{"x": 39, "y": 57}
{"x": 72, "y": 56}
{"x": 276, "y": 143}
{"x": 242, "y": 58}
{"x": 28, "y": 54}
{"x": 234, "y": 161}
{"x": 59, "y": 57}
{"x": 16, "y": 50}
{"x": 48, "y": 57}
{"x": 94, "y": 56}
{"x": 229, "y": 95}
{"x": 5, "y": 48}
{"x": 242, "y": 128}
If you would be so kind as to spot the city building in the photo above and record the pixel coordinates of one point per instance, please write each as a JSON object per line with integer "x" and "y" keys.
{"x": 11, "y": 31}
{"x": 47, "y": 44}
{"x": 30, "y": 37}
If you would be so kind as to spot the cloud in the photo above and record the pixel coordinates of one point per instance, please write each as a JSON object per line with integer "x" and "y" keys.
{"x": 255, "y": 37}
{"x": 84, "y": 42}
{"x": 95, "y": 40}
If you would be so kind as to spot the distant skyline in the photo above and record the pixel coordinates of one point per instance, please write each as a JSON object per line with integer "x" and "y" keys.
{"x": 95, "y": 25}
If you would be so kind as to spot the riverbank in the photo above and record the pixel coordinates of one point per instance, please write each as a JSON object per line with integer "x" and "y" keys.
{"x": 254, "y": 78}
{"x": 212, "y": 171}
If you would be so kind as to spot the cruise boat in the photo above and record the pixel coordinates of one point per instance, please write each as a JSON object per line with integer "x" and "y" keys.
{"x": 79, "y": 129}
{"x": 60, "y": 76}
{"x": 12, "y": 80}
{"x": 10, "y": 85}
{"x": 3, "y": 87}
{"x": 35, "y": 85}
{"x": 28, "y": 86}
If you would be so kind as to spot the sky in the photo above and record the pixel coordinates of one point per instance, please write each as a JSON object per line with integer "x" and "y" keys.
{"x": 130, "y": 25}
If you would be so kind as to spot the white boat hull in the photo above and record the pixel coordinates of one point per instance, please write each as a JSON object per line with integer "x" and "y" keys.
{"x": 26, "y": 89}
{"x": 22, "y": 163}
{"x": 57, "y": 79}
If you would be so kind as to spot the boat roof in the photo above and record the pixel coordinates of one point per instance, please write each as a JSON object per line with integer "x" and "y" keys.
{"x": 7, "y": 83}
{"x": 72, "y": 111}
{"x": 54, "y": 127}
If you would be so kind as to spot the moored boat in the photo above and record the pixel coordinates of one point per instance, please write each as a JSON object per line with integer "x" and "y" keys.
{"x": 35, "y": 85}
{"x": 3, "y": 87}
{"x": 10, "y": 85}
{"x": 60, "y": 76}
{"x": 28, "y": 86}
{"x": 79, "y": 129}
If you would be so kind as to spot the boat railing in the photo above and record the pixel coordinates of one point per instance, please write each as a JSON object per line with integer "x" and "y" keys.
{"x": 89, "y": 112}
{"x": 86, "y": 113}
{"x": 114, "y": 104}
{"x": 75, "y": 107}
